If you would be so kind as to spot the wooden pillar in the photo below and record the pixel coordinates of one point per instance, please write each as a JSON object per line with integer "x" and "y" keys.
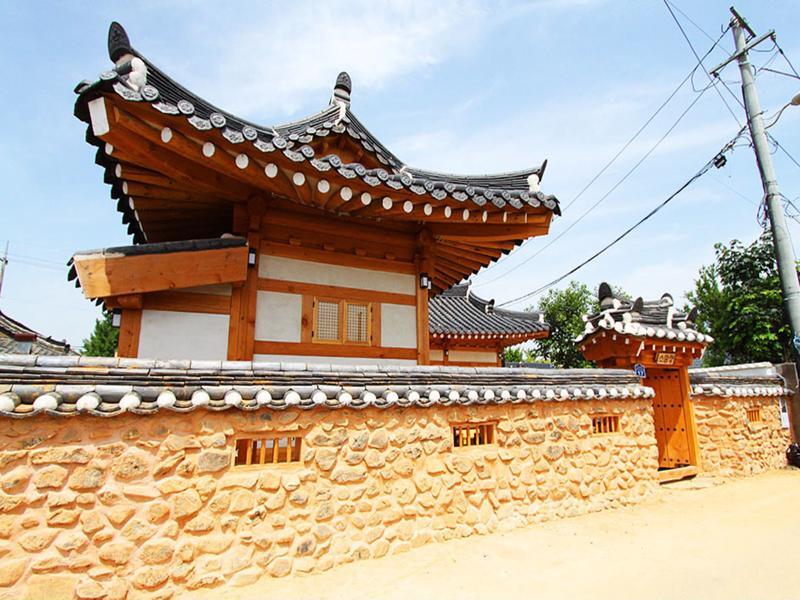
{"x": 691, "y": 423}
{"x": 130, "y": 323}
{"x": 241, "y": 331}
{"x": 424, "y": 264}
{"x": 129, "y": 327}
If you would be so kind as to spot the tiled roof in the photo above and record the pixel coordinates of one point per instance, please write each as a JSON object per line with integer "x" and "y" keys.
{"x": 65, "y": 386}
{"x": 459, "y": 312}
{"x": 640, "y": 318}
{"x": 722, "y": 383}
{"x": 150, "y": 85}
{"x": 12, "y": 333}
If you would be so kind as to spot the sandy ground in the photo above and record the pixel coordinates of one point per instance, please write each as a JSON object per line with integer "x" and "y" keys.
{"x": 697, "y": 540}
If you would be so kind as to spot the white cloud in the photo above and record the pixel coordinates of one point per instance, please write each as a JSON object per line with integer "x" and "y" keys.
{"x": 278, "y": 58}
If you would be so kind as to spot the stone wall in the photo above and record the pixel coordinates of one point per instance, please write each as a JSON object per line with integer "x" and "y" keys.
{"x": 144, "y": 506}
{"x": 731, "y": 446}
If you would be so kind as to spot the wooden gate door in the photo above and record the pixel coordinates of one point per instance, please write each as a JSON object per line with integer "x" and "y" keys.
{"x": 672, "y": 432}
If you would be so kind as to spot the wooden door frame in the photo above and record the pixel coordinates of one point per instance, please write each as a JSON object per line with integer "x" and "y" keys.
{"x": 688, "y": 411}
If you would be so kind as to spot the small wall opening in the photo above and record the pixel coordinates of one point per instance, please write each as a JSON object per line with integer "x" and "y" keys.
{"x": 477, "y": 434}
{"x": 605, "y": 424}
{"x": 267, "y": 451}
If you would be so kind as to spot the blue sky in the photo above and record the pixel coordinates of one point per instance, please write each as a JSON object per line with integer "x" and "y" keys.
{"x": 466, "y": 87}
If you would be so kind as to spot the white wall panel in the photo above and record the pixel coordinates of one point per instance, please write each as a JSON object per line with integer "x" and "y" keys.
{"x": 473, "y": 356}
{"x": 331, "y": 360}
{"x": 278, "y": 316}
{"x": 292, "y": 269}
{"x": 172, "y": 334}
{"x": 398, "y": 326}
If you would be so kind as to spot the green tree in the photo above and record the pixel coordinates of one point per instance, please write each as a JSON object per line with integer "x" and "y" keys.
{"x": 563, "y": 310}
{"x": 519, "y": 354}
{"x": 103, "y": 341}
{"x": 738, "y": 299}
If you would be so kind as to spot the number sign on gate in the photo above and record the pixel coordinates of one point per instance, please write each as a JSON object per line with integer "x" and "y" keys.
{"x": 665, "y": 358}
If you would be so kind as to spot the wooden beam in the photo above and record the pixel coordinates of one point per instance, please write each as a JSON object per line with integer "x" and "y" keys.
{"x": 339, "y": 350}
{"x": 217, "y": 304}
{"x": 333, "y": 227}
{"x": 332, "y": 291}
{"x": 487, "y": 232}
{"x": 145, "y": 152}
{"x": 337, "y": 258}
{"x": 101, "y": 276}
{"x": 461, "y": 258}
{"x": 222, "y": 160}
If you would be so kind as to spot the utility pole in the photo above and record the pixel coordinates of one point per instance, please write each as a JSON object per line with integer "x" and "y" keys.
{"x": 3, "y": 262}
{"x": 784, "y": 253}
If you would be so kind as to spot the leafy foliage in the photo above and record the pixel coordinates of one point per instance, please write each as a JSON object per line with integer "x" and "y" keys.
{"x": 563, "y": 309}
{"x": 103, "y": 341}
{"x": 520, "y": 354}
{"x": 739, "y": 303}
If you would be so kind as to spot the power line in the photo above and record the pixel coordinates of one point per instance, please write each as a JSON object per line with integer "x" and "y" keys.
{"x": 688, "y": 18}
{"x": 779, "y": 72}
{"x": 602, "y": 198}
{"x": 646, "y": 123}
{"x": 699, "y": 60}
{"x": 785, "y": 151}
{"x": 786, "y": 58}
{"x": 36, "y": 258}
{"x": 625, "y": 233}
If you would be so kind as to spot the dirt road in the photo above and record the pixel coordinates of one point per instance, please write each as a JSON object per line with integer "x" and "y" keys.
{"x": 735, "y": 540}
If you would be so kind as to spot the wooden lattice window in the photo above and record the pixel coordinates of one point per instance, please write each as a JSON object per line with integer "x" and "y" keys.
{"x": 473, "y": 434}
{"x": 267, "y": 451}
{"x": 754, "y": 415}
{"x": 357, "y": 322}
{"x": 326, "y": 322}
{"x": 605, "y": 424}
{"x": 342, "y": 322}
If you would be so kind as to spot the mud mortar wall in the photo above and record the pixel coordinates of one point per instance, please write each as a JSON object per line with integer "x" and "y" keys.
{"x": 730, "y": 445}
{"x": 144, "y": 506}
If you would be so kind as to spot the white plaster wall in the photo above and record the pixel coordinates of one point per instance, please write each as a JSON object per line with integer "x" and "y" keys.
{"x": 436, "y": 355}
{"x": 172, "y": 334}
{"x": 278, "y": 316}
{"x": 331, "y": 360}
{"x": 472, "y": 356}
{"x": 292, "y": 269}
{"x": 398, "y": 326}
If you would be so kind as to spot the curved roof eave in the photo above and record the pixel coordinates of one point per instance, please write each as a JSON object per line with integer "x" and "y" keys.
{"x": 513, "y": 189}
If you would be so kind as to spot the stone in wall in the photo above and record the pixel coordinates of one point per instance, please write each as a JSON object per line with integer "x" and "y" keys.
{"x": 729, "y": 444}
{"x": 146, "y": 507}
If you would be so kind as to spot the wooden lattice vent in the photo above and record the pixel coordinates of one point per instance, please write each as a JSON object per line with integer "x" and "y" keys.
{"x": 473, "y": 434}
{"x": 754, "y": 415}
{"x": 267, "y": 451}
{"x": 605, "y": 424}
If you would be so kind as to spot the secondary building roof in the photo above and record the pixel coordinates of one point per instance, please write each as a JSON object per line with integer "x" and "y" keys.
{"x": 463, "y": 317}
{"x": 177, "y": 164}
{"x": 657, "y": 319}
{"x": 17, "y": 338}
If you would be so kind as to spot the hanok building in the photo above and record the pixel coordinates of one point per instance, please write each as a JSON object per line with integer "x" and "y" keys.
{"x": 468, "y": 331}
{"x": 148, "y": 477}
{"x": 17, "y": 338}
{"x": 309, "y": 239}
